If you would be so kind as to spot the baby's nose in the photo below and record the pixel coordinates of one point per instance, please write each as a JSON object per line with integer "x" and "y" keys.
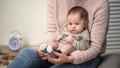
{"x": 73, "y": 26}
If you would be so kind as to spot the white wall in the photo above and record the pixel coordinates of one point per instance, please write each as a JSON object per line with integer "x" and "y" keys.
{"x": 26, "y": 16}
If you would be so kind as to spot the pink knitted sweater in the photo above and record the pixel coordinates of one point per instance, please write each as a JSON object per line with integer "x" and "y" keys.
{"x": 98, "y": 22}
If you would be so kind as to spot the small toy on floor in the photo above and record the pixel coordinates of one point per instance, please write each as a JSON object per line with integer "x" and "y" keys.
{"x": 5, "y": 59}
{"x": 11, "y": 56}
{"x": 5, "y": 62}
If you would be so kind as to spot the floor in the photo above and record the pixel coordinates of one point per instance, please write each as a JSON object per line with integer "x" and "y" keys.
{"x": 6, "y": 56}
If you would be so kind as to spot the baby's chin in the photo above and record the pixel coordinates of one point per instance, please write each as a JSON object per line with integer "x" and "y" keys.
{"x": 74, "y": 32}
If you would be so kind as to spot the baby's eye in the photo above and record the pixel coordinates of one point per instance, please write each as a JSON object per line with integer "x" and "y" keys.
{"x": 77, "y": 23}
{"x": 70, "y": 23}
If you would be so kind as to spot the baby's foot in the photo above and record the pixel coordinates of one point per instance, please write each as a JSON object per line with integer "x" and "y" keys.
{"x": 50, "y": 52}
{"x": 43, "y": 47}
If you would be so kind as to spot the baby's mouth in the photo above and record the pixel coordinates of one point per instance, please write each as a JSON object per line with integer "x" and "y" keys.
{"x": 73, "y": 31}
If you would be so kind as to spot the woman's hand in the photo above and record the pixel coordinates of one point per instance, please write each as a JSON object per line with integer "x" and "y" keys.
{"x": 62, "y": 58}
{"x": 41, "y": 54}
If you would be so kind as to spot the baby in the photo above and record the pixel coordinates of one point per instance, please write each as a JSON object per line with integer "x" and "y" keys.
{"x": 72, "y": 36}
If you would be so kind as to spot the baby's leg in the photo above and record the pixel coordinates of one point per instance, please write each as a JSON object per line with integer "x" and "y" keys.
{"x": 67, "y": 49}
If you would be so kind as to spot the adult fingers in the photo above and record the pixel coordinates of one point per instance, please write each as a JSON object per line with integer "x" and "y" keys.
{"x": 50, "y": 59}
{"x": 56, "y": 60}
{"x": 58, "y": 54}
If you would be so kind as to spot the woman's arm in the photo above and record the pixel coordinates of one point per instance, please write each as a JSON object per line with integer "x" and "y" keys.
{"x": 51, "y": 27}
{"x": 97, "y": 34}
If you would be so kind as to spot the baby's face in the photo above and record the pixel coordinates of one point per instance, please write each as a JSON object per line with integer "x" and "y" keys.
{"x": 75, "y": 24}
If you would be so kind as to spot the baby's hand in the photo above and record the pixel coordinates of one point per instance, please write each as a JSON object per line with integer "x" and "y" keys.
{"x": 59, "y": 37}
{"x": 69, "y": 39}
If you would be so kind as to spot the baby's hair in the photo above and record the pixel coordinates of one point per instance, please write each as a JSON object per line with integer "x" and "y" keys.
{"x": 82, "y": 12}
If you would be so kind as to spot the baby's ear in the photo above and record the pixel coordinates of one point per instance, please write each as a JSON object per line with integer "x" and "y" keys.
{"x": 86, "y": 24}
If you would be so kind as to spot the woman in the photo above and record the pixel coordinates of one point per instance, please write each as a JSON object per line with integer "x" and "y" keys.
{"x": 57, "y": 10}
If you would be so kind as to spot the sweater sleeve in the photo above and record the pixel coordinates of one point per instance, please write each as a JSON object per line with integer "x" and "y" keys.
{"x": 51, "y": 27}
{"x": 97, "y": 34}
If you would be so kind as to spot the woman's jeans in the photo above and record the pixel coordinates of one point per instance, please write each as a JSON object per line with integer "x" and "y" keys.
{"x": 29, "y": 58}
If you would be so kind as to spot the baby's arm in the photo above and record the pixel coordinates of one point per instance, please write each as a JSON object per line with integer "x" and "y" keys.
{"x": 58, "y": 38}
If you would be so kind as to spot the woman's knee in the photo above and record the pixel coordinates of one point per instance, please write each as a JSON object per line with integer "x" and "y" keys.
{"x": 27, "y": 54}
{"x": 27, "y": 50}
{"x": 25, "y": 58}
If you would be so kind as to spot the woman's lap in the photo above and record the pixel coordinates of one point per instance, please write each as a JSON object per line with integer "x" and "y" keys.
{"x": 89, "y": 64}
{"x": 29, "y": 58}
